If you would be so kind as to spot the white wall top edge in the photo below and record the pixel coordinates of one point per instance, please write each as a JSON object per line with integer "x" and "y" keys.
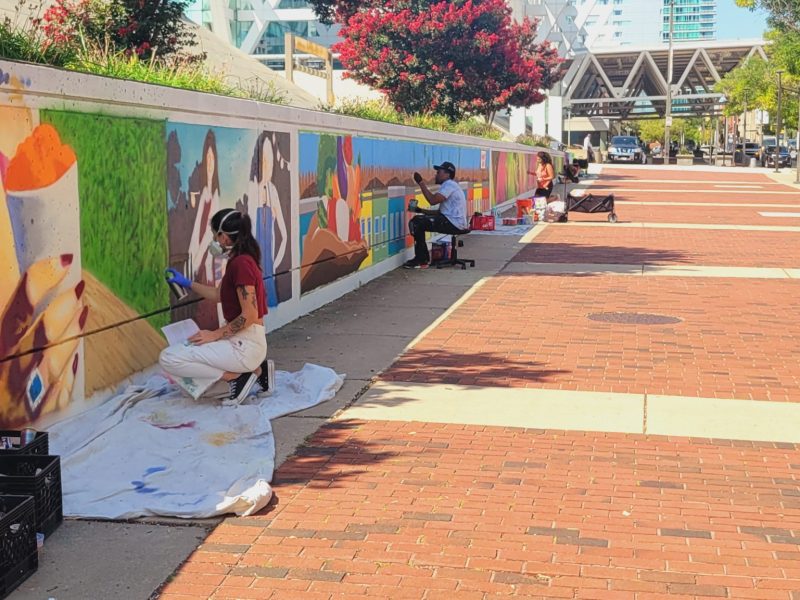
{"x": 74, "y": 87}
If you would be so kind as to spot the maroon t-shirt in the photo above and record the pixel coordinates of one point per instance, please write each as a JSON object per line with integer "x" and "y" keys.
{"x": 241, "y": 270}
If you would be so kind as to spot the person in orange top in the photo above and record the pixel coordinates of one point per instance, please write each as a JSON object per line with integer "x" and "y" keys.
{"x": 545, "y": 174}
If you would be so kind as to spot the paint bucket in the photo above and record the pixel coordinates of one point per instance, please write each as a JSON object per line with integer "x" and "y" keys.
{"x": 523, "y": 206}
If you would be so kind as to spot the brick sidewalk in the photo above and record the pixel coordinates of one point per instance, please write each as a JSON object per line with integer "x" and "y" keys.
{"x": 420, "y": 510}
{"x": 428, "y": 511}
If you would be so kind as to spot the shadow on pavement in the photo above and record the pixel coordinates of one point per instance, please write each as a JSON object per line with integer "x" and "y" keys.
{"x": 569, "y": 253}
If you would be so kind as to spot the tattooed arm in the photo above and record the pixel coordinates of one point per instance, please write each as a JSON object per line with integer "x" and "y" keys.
{"x": 249, "y": 315}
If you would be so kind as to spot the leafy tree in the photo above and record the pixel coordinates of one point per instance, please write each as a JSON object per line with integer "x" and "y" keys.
{"x": 752, "y": 82}
{"x": 784, "y": 15}
{"x": 144, "y": 27}
{"x": 452, "y": 58}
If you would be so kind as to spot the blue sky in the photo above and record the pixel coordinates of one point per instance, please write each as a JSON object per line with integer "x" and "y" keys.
{"x": 738, "y": 23}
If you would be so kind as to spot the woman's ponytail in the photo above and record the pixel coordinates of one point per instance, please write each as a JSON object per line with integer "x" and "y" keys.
{"x": 245, "y": 243}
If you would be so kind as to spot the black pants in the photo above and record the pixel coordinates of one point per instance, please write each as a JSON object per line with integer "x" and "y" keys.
{"x": 545, "y": 191}
{"x": 423, "y": 223}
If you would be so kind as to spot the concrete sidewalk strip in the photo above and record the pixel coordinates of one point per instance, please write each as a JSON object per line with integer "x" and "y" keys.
{"x": 507, "y": 407}
{"x": 750, "y": 420}
{"x": 628, "y": 190}
{"x": 703, "y": 271}
{"x": 794, "y": 215}
{"x": 722, "y": 418}
{"x": 651, "y": 270}
{"x": 705, "y": 204}
{"x": 708, "y": 226}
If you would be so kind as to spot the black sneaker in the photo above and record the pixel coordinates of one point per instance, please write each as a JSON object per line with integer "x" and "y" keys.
{"x": 239, "y": 388}
{"x": 267, "y": 378}
{"x": 415, "y": 264}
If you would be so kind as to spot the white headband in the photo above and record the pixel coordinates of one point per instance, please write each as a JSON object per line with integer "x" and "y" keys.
{"x": 225, "y": 218}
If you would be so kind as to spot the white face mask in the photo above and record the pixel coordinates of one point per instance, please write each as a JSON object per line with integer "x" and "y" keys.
{"x": 216, "y": 249}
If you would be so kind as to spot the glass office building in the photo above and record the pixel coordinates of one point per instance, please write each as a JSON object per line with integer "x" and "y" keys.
{"x": 695, "y": 20}
{"x": 257, "y": 27}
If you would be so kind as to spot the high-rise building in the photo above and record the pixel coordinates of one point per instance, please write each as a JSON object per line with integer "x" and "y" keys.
{"x": 695, "y": 20}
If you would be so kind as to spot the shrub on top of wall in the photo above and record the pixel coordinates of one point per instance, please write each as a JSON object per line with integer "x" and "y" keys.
{"x": 379, "y": 110}
{"x": 26, "y": 39}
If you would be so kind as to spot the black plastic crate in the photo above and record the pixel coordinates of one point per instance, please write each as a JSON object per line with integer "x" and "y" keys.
{"x": 19, "y": 558}
{"x": 39, "y": 445}
{"x": 37, "y": 476}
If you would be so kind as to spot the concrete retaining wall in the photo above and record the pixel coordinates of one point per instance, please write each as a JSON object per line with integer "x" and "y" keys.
{"x": 106, "y": 182}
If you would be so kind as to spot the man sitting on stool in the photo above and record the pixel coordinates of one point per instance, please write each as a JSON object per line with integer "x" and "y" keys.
{"x": 450, "y": 218}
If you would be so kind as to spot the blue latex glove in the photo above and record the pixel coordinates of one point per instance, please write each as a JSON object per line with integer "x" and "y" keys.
{"x": 175, "y": 276}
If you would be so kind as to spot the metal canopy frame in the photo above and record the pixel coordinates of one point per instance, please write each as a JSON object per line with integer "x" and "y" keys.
{"x": 632, "y": 83}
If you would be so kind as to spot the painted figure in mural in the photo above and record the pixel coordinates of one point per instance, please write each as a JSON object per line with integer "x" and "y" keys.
{"x": 42, "y": 312}
{"x": 265, "y": 206}
{"x": 545, "y": 174}
{"x": 235, "y": 352}
{"x": 449, "y": 218}
{"x": 207, "y": 203}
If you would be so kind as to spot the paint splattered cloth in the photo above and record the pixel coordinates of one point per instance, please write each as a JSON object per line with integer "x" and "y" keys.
{"x": 154, "y": 451}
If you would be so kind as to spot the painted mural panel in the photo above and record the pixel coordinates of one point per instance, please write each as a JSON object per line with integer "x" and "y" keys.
{"x": 42, "y": 309}
{"x": 210, "y": 168}
{"x": 512, "y": 173}
{"x": 123, "y": 229}
{"x": 353, "y": 197}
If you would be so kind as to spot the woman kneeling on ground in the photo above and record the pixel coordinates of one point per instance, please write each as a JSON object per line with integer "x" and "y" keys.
{"x": 236, "y": 352}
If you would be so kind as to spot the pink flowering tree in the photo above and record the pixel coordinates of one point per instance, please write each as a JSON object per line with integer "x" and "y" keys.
{"x": 453, "y": 58}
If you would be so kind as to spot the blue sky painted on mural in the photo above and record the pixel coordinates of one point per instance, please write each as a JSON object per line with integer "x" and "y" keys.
{"x": 405, "y": 156}
{"x": 234, "y": 153}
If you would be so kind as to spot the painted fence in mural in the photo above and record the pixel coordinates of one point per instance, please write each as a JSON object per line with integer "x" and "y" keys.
{"x": 94, "y": 207}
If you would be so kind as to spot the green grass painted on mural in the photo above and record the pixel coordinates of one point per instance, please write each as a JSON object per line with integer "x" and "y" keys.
{"x": 122, "y": 184}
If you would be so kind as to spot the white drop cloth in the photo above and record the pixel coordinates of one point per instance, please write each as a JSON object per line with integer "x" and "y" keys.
{"x": 155, "y": 451}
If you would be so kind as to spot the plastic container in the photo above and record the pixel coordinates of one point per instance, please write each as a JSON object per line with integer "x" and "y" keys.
{"x": 18, "y": 556}
{"x": 40, "y": 444}
{"x": 523, "y": 206}
{"x": 480, "y": 222}
{"x": 37, "y": 476}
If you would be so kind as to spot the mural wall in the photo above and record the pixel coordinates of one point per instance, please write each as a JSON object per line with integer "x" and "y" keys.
{"x": 354, "y": 192}
{"x": 94, "y": 206}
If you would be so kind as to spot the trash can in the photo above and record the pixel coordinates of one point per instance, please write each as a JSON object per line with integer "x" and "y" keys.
{"x": 753, "y": 162}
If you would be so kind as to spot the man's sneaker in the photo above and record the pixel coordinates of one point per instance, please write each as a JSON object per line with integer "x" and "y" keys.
{"x": 267, "y": 378}
{"x": 239, "y": 388}
{"x": 415, "y": 264}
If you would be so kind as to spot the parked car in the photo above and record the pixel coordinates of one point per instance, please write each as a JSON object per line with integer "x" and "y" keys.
{"x": 751, "y": 150}
{"x": 626, "y": 148}
{"x": 784, "y": 159}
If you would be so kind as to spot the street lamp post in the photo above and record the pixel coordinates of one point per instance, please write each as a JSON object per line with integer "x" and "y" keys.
{"x": 668, "y": 114}
{"x": 797, "y": 149}
{"x": 744, "y": 133}
{"x": 778, "y": 124}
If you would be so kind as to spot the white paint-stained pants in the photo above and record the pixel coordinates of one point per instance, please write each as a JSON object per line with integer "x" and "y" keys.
{"x": 197, "y": 368}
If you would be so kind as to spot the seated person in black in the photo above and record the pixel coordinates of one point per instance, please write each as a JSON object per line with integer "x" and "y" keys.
{"x": 450, "y": 218}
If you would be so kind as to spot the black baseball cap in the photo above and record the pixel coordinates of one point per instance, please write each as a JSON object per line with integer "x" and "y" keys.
{"x": 447, "y": 166}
